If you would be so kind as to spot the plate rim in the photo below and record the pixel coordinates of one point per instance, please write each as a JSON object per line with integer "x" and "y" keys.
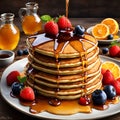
{"x": 47, "y": 115}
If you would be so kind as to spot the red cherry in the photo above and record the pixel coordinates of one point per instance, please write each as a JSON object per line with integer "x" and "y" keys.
{"x": 84, "y": 100}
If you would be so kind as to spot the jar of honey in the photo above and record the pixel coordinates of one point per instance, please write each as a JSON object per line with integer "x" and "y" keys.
{"x": 9, "y": 32}
{"x": 31, "y": 22}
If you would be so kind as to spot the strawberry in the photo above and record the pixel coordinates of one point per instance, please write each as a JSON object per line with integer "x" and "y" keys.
{"x": 64, "y": 22}
{"x": 118, "y": 79}
{"x": 116, "y": 85}
{"x": 12, "y": 77}
{"x": 114, "y": 50}
{"x": 51, "y": 28}
{"x": 27, "y": 93}
{"x": 103, "y": 71}
{"x": 84, "y": 100}
{"x": 107, "y": 78}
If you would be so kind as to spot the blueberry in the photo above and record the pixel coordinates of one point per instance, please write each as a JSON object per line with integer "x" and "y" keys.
{"x": 79, "y": 30}
{"x": 110, "y": 91}
{"x": 105, "y": 50}
{"x": 20, "y": 52}
{"x": 25, "y": 51}
{"x": 16, "y": 88}
{"x": 110, "y": 37}
{"x": 99, "y": 97}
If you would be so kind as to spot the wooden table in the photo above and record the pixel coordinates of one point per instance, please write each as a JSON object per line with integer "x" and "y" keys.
{"x": 9, "y": 113}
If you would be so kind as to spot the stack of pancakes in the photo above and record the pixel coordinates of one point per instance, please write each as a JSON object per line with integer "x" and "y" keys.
{"x": 64, "y": 67}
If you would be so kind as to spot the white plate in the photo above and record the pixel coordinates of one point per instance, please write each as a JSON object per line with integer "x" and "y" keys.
{"x": 19, "y": 65}
{"x": 89, "y": 30}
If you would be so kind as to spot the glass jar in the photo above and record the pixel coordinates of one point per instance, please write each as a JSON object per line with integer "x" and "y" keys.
{"x": 31, "y": 22}
{"x": 9, "y": 33}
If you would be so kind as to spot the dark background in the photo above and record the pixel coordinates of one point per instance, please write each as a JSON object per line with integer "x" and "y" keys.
{"x": 77, "y": 8}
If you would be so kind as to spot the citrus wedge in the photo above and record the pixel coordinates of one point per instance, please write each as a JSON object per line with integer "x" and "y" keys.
{"x": 112, "y": 24}
{"x": 113, "y": 67}
{"x": 100, "y": 31}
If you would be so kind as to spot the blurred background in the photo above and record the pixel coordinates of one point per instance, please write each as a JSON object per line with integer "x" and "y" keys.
{"x": 77, "y": 8}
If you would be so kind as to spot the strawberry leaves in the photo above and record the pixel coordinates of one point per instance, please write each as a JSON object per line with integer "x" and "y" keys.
{"x": 22, "y": 79}
{"x": 115, "y": 42}
{"x": 46, "y": 18}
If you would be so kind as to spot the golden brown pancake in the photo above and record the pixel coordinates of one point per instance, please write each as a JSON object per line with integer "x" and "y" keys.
{"x": 65, "y": 67}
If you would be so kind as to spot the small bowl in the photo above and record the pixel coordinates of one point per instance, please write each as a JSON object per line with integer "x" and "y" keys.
{"x": 6, "y": 57}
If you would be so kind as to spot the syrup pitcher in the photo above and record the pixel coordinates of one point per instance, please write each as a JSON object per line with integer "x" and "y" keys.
{"x": 9, "y": 32}
{"x": 31, "y": 22}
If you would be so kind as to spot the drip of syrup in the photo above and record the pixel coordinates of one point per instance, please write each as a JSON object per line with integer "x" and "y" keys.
{"x": 67, "y": 5}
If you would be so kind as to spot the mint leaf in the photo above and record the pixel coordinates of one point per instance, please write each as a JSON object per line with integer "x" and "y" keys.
{"x": 46, "y": 18}
{"x": 22, "y": 79}
{"x": 56, "y": 19}
{"x": 115, "y": 42}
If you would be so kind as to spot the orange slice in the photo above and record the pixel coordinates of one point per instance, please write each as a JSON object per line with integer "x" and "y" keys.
{"x": 113, "y": 67}
{"x": 112, "y": 24}
{"x": 100, "y": 31}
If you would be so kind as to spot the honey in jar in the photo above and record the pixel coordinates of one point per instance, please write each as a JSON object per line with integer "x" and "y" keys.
{"x": 31, "y": 22}
{"x": 9, "y": 33}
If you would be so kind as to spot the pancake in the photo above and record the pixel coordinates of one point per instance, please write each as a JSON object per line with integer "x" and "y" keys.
{"x": 68, "y": 62}
{"x": 65, "y": 66}
{"x": 72, "y": 93}
{"x": 47, "y": 48}
{"x": 65, "y": 71}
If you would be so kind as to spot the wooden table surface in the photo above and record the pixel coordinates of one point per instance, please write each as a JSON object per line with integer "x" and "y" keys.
{"x": 7, "y": 112}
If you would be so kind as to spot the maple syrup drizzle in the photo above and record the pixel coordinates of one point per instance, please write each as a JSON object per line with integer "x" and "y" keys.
{"x": 4, "y": 55}
{"x": 67, "y": 5}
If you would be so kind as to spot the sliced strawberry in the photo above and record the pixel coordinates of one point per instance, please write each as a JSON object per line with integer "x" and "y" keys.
{"x": 118, "y": 79}
{"x": 64, "y": 22}
{"x": 27, "y": 93}
{"x": 114, "y": 51}
{"x": 116, "y": 85}
{"x": 103, "y": 71}
{"x": 107, "y": 78}
{"x": 84, "y": 100}
{"x": 12, "y": 77}
{"x": 51, "y": 28}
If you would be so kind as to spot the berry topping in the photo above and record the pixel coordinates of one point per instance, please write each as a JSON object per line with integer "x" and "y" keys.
{"x": 110, "y": 37}
{"x": 12, "y": 77}
{"x": 107, "y": 78}
{"x": 99, "y": 97}
{"x": 27, "y": 93}
{"x": 116, "y": 85}
{"x": 16, "y": 88}
{"x": 64, "y": 22}
{"x": 84, "y": 100}
{"x": 110, "y": 91}
{"x": 25, "y": 51}
{"x": 114, "y": 50}
{"x": 105, "y": 50}
{"x": 79, "y": 30}
{"x": 20, "y": 52}
{"x": 51, "y": 28}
